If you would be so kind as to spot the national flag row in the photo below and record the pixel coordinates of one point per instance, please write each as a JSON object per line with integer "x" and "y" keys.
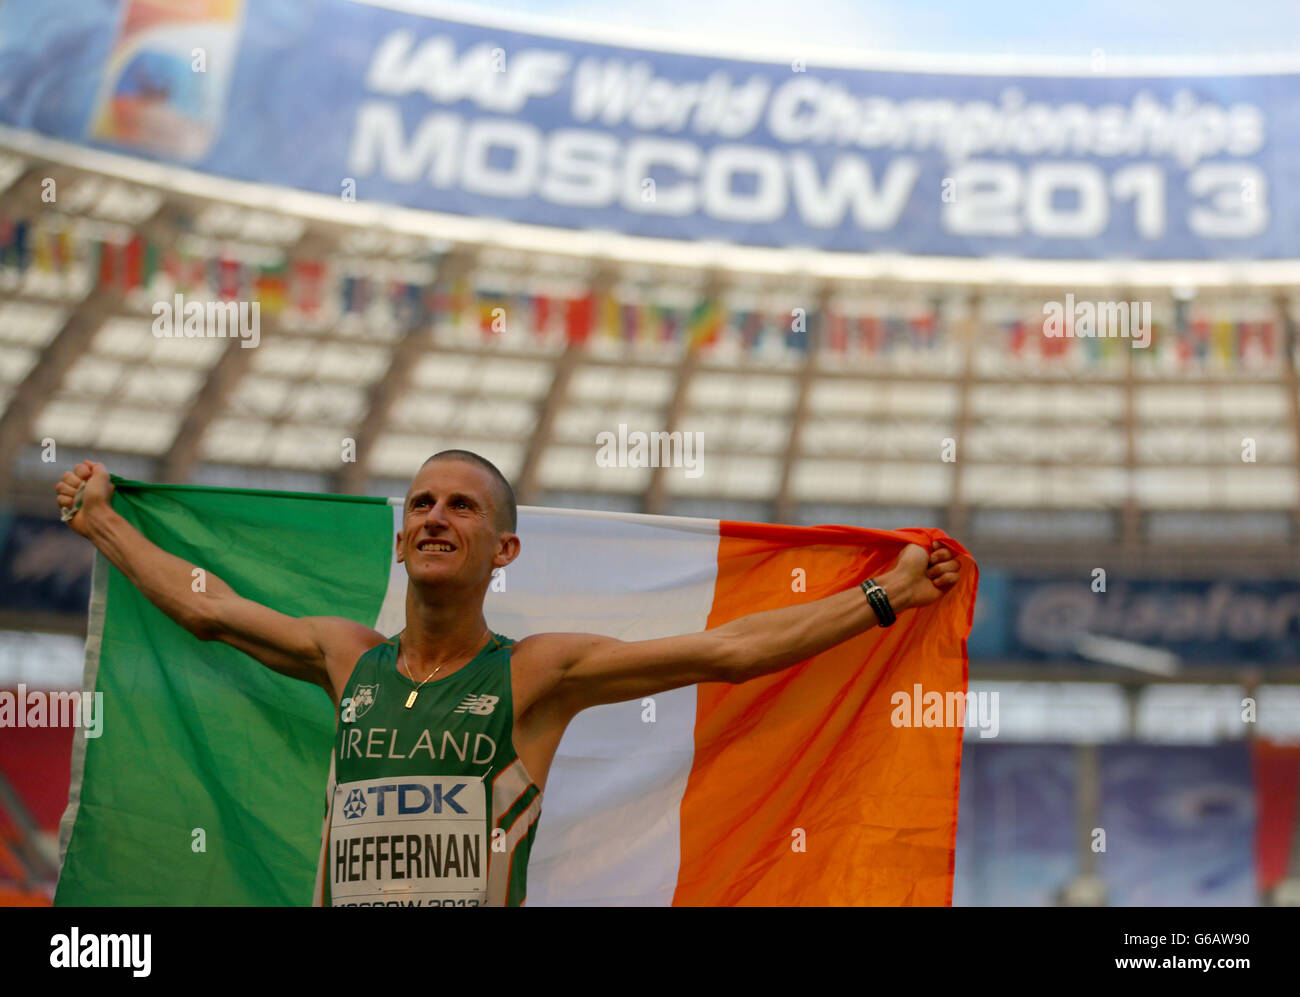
{"x": 318, "y": 287}
{"x": 706, "y": 324}
{"x": 1191, "y": 341}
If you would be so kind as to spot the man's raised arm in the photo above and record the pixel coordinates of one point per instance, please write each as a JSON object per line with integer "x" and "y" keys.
{"x": 317, "y": 649}
{"x": 584, "y": 670}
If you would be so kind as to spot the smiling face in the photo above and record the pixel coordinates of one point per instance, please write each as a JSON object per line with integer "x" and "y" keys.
{"x": 452, "y": 526}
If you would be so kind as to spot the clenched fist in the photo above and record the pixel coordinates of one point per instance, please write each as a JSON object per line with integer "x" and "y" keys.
{"x": 923, "y": 578}
{"x": 92, "y": 480}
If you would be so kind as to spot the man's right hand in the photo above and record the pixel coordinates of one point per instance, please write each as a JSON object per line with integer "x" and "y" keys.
{"x": 318, "y": 649}
{"x": 98, "y": 493}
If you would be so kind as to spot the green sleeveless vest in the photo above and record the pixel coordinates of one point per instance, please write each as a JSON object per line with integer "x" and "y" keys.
{"x": 427, "y": 806}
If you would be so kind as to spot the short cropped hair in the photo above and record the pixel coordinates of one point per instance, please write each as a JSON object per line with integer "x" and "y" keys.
{"x": 506, "y": 507}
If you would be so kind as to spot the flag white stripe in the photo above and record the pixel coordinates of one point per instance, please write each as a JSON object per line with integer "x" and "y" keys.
{"x": 392, "y": 613}
{"x": 609, "y": 830}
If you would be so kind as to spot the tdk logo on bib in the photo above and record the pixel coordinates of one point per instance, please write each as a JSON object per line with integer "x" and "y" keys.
{"x": 355, "y": 805}
{"x": 412, "y": 798}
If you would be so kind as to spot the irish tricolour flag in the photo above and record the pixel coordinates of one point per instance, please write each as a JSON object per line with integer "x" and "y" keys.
{"x": 814, "y": 785}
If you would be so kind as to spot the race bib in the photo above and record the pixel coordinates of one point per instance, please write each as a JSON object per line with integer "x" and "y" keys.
{"x": 409, "y": 841}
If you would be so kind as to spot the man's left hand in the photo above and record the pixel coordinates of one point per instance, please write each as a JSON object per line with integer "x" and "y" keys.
{"x": 921, "y": 578}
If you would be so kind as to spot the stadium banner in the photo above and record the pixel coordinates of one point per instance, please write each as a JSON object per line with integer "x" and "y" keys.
{"x": 1018, "y": 836}
{"x": 1180, "y": 825}
{"x": 206, "y": 784}
{"x": 1179, "y": 821}
{"x": 43, "y": 565}
{"x": 360, "y": 100}
{"x": 1198, "y": 622}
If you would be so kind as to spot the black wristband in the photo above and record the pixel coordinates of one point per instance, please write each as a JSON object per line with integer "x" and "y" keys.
{"x": 879, "y": 602}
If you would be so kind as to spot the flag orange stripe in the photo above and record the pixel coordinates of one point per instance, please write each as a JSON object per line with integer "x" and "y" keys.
{"x": 812, "y": 748}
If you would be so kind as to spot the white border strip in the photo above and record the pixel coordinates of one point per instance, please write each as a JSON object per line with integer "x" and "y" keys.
{"x": 94, "y": 643}
{"x": 917, "y": 62}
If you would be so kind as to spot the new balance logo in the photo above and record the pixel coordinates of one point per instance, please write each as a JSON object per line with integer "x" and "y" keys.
{"x": 479, "y": 704}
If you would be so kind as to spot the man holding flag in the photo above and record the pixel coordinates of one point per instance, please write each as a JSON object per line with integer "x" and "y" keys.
{"x": 446, "y": 732}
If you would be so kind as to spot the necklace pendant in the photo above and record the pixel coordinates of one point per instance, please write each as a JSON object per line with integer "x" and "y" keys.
{"x": 410, "y": 700}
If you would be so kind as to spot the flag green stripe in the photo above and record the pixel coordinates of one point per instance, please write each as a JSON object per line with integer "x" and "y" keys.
{"x": 127, "y": 485}
{"x": 200, "y": 736}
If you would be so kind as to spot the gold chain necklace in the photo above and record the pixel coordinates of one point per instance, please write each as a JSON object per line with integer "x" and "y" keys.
{"x": 410, "y": 700}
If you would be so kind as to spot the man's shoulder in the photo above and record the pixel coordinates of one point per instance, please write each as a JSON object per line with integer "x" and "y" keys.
{"x": 540, "y": 664}
{"x": 346, "y": 637}
{"x": 345, "y": 642}
{"x": 554, "y": 648}
{"x": 533, "y": 651}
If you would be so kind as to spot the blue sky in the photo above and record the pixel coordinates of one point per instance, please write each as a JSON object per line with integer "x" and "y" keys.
{"x": 1022, "y": 27}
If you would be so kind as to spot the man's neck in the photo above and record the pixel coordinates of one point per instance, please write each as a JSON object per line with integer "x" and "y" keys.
{"x": 442, "y": 634}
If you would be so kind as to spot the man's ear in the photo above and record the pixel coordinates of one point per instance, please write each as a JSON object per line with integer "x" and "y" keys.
{"x": 397, "y": 546}
{"x": 510, "y": 548}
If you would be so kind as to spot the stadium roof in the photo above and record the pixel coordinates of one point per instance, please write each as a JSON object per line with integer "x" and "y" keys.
{"x": 1077, "y": 450}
